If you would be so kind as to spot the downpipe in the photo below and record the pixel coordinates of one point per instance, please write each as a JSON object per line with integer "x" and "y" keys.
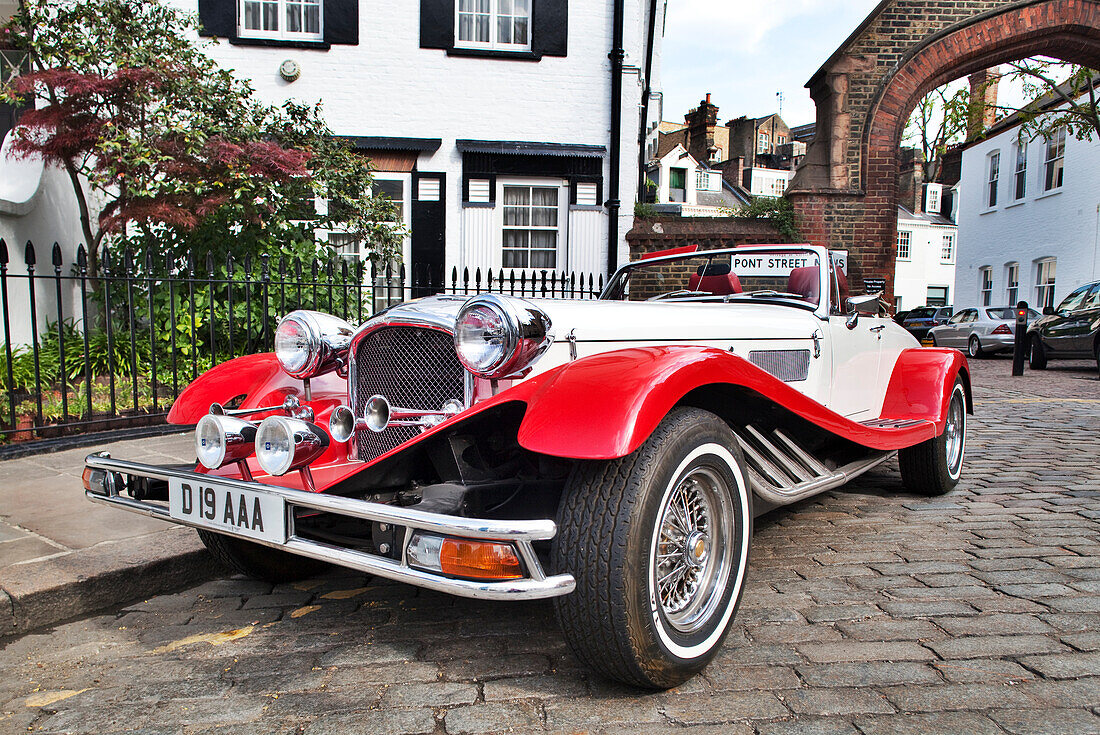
{"x": 617, "y": 54}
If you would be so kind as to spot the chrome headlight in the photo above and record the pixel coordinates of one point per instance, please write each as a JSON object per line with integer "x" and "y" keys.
{"x": 309, "y": 343}
{"x": 284, "y": 444}
{"x": 220, "y": 440}
{"x": 499, "y": 336}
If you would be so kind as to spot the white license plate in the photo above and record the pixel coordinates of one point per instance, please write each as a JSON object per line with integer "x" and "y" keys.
{"x": 210, "y": 504}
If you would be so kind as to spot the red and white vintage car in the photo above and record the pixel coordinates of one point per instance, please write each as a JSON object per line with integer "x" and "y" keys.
{"x": 607, "y": 454}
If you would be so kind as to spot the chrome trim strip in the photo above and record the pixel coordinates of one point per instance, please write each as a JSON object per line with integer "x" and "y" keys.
{"x": 519, "y": 532}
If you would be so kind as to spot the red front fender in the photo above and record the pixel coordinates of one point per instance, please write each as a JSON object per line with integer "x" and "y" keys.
{"x": 605, "y": 406}
{"x": 263, "y": 383}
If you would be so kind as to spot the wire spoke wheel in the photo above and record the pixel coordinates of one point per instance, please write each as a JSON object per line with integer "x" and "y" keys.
{"x": 954, "y": 432}
{"x": 658, "y": 543}
{"x": 694, "y": 555}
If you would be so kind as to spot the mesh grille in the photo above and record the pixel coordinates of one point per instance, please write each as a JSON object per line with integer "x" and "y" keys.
{"x": 411, "y": 367}
{"x": 790, "y": 366}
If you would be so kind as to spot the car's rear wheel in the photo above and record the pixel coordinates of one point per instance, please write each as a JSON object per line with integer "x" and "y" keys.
{"x": 933, "y": 467}
{"x": 1037, "y": 355}
{"x": 658, "y": 544}
{"x": 974, "y": 347}
{"x": 260, "y": 562}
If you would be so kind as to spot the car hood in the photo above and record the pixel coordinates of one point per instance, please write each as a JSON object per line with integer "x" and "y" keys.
{"x": 621, "y": 321}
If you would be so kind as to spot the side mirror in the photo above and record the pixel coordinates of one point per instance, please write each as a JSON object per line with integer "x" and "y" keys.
{"x": 865, "y": 304}
{"x": 1048, "y": 310}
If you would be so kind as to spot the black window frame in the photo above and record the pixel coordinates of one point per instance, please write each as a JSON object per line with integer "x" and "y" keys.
{"x": 549, "y": 31}
{"x": 339, "y": 24}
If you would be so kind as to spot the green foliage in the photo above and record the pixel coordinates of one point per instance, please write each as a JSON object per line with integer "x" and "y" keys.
{"x": 939, "y": 122}
{"x": 644, "y": 210}
{"x": 779, "y": 211}
{"x": 180, "y": 154}
{"x": 1062, "y": 95}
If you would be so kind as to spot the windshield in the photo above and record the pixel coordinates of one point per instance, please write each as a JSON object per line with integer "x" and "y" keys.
{"x": 1007, "y": 312}
{"x": 790, "y": 276}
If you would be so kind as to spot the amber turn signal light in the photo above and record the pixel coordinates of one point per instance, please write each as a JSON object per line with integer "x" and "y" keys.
{"x": 479, "y": 559}
{"x": 466, "y": 558}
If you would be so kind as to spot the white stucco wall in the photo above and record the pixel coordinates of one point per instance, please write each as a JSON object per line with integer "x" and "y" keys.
{"x": 47, "y": 214}
{"x": 1062, "y": 224}
{"x": 388, "y": 86}
{"x": 925, "y": 266}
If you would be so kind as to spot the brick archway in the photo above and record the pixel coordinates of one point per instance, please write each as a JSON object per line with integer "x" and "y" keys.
{"x": 846, "y": 191}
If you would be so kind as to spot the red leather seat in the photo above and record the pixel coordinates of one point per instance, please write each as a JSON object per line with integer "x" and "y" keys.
{"x": 718, "y": 281}
{"x": 806, "y": 282}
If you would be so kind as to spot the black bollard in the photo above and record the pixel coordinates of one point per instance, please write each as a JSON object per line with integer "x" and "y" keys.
{"x": 1019, "y": 350}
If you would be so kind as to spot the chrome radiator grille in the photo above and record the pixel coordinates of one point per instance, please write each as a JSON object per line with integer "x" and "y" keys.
{"x": 412, "y": 367}
{"x": 790, "y": 366}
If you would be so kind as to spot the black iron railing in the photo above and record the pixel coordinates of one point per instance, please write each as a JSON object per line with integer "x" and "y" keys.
{"x": 88, "y": 350}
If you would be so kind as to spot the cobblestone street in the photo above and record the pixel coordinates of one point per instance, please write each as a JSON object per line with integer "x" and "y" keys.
{"x": 868, "y": 611}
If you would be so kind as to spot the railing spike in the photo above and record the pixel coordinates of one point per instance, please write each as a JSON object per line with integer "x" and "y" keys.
{"x": 28, "y": 253}
{"x": 81, "y": 257}
{"x": 3, "y": 251}
{"x": 56, "y": 253}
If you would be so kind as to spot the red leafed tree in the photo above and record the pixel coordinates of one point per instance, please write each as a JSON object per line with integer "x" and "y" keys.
{"x": 163, "y": 148}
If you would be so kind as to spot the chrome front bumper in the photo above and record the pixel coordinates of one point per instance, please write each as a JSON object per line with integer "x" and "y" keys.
{"x": 520, "y": 533}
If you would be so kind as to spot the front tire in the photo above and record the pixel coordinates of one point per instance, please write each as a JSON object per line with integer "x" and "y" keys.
{"x": 259, "y": 562}
{"x": 658, "y": 544}
{"x": 933, "y": 467}
{"x": 974, "y": 348}
{"x": 1036, "y": 356}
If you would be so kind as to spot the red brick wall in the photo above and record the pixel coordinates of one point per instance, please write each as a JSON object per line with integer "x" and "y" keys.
{"x": 847, "y": 197}
{"x": 709, "y": 233}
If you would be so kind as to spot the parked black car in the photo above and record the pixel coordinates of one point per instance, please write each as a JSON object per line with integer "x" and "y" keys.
{"x": 921, "y": 319}
{"x": 1070, "y": 331}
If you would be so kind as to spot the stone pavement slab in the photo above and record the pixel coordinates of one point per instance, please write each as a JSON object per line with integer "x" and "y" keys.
{"x": 63, "y": 556}
{"x": 868, "y": 611}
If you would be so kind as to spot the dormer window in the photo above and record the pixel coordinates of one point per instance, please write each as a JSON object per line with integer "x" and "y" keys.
{"x": 288, "y": 20}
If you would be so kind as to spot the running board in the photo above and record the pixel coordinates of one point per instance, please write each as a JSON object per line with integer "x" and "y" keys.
{"x": 782, "y": 472}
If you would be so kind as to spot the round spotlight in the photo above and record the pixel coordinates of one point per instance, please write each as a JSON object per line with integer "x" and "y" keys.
{"x": 209, "y": 442}
{"x": 284, "y": 444}
{"x": 220, "y": 440}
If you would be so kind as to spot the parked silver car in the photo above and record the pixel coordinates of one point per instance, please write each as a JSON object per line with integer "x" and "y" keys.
{"x": 981, "y": 330}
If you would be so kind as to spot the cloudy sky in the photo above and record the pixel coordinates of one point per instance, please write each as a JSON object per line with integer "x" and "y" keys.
{"x": 744, "y": 51}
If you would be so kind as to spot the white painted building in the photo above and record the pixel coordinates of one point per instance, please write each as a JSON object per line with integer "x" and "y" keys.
{"x": 924, "y": 267}
{"x": 769, "y": 182}
{"x": 488, "y": 119}
{"x": 687, "y": 188}
{"x": 1029, "y": 228}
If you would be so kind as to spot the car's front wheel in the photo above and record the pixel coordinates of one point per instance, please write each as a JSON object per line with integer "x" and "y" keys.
{"x": 1037, "y": 355}
{"x": 259, "y": 562}
{"x": 658, "y": 543}
{"x": 974, "y": 347}
{"x": 933, "y": 467}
